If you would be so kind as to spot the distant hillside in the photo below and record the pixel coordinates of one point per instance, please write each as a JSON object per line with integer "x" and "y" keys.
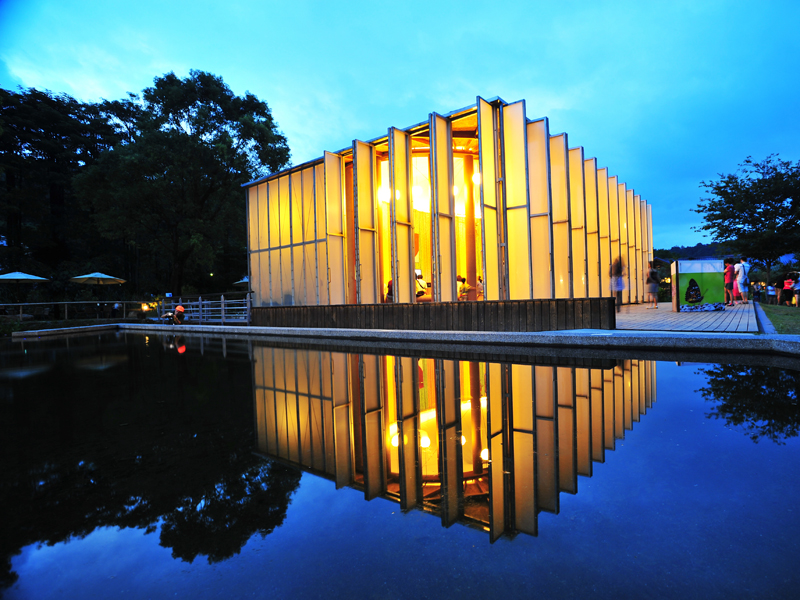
{"x": 712, "y": 250}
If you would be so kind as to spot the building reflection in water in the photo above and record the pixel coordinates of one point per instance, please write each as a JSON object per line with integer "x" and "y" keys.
{"x": 483, "y": 443}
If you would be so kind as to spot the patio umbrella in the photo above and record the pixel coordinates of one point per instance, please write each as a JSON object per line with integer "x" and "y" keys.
{"x": 244, "y": 282}
{"x": 17, "y": 276}
{"x": 20, "y": 278}
{"x": 97, "y": 279}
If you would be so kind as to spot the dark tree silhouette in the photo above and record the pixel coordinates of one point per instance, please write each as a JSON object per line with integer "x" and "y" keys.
{"x": 761, "y": 400}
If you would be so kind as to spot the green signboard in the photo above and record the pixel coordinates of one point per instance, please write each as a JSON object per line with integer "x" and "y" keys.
{"x": 701, "y": 285}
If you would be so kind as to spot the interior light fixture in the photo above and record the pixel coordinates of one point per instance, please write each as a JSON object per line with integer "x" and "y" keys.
{"x": 476, "y": 178}
{"x": 383, "y": 194}
{"x": 485, "y": 454}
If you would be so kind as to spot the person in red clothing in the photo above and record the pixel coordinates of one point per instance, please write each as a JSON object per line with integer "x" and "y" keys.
{"x": 788, "y": 290}
{"x": 729, "y": 277}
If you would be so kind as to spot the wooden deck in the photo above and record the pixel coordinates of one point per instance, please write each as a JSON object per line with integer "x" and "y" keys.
{"x": 737, "y": 319}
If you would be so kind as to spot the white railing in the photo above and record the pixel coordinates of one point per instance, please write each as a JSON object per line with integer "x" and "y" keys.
{"x": 210, "y": 310}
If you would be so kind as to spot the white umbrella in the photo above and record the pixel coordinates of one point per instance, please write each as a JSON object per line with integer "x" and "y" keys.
{"x": 97, "y": 279}
{"x": 244, "y": 282}
{"x": 17, "y": 276}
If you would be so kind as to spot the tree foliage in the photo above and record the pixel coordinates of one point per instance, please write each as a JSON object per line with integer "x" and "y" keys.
{"x": 146, "y": 188}
{"x": 756, "y": 210}
{"x": 762, "y": 401}
{"x": 172, "y": 186}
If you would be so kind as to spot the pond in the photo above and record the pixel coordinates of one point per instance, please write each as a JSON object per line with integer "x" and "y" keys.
{"x": 152, "y": 466}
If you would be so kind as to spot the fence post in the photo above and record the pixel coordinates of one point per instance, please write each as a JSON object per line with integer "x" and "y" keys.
{"x": 248, "y": 308}
{"x": 20, "y": 313}
{"x": 222, "y": 309}
{"x": 200, "y": 308}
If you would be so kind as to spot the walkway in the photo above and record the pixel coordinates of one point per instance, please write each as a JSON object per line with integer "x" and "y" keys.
{"x": 736, "y": 319}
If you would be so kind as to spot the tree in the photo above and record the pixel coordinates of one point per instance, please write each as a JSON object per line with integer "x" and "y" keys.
{"x": 763, "y": 401}
{"x": 172, "y": 187}
{"x": 755, "y": 211}
{"x": 45, "y": 140}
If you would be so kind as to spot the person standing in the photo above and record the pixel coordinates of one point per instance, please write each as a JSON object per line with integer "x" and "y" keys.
{"x": 617, "y": 273}
{"x": 652, "y": 285}
{"x": 742, "y": 269}
{"x": 730, "y": 275}
{"x": 770, "y": 294}
{"x": 797, "y": 290}
{"x": 788, "y": 290}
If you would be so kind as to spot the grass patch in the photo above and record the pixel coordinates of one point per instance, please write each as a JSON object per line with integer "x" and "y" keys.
{"x": 786, "y": 319}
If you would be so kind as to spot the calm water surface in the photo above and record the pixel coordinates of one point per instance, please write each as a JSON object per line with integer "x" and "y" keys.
{"x": 152, "y": 467}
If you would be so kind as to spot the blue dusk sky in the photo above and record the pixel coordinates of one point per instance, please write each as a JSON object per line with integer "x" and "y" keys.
{"x": 665, "y": 94}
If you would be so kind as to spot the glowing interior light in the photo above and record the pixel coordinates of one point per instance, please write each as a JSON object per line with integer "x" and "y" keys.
{"x": 485, "y": 454}
{"x": 424, "y": 440}
{"x": 455, "y": 190}
{"x": 463, "y": 440}
{"x": 483, "y": 401}
{"x": 397, "y": 194}
{"x": 476, "y": 178}
{"x": 383, "y": 194}
{"x": 395, "y": 440}
{"x": 416, "y": 191}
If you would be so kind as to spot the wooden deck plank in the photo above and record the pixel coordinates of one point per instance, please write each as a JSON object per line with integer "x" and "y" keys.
{"x": 739, "y": 318}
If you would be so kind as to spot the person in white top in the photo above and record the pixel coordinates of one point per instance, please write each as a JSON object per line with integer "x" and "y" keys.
{"x": 742, "y": 269}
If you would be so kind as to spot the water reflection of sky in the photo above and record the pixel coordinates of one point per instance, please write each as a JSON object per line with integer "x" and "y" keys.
{"x": 683, "y": 507}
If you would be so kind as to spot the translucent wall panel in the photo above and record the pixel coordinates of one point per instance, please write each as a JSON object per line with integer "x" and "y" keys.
{"x": 401, "y": 206}
{"x": 323, "y": 271}
{"x": 260, "y": 284}
{"x": 623, "y": 240}
{"x": 559, "y": 185}
{"x": 276, "y": 293}
{"x": 593, "y": 277}
{"x": 613, "y": 216}
{"x": 263, "y": 217}
{"x": 337, "y": 229}
{"x": 633, "y": 260}
{"x": 444, "y": 221}
{"x": 540, "y": 205}
{"x": 642, "y": 246}
{"x": 274, "y": 210}
{"x": 650, "y": 230}
{"x": 515, "y": 193}
{"x": 577, "y": 199}
{"x": 487, "y": 140}
{"x": 604, "y": 227}
{"x": 252, "y": 241}
{"x": 366, "y": 224}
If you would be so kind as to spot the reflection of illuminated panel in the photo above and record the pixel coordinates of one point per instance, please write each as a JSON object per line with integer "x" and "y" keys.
{"x": 598, "y": 430}
{"x": 650, "y": 384}
{"x": 341, "y": 420}
{"x": 401, "y": 225}
{"x": 619, "y": 402}
{"x": 487, "y": 139}
{"x": 559, "y": 185}
{"x": 633, "y": 257}
{"x": 449, "y": 421}
{"x": 593, "y": 277}
{"x": 515, "y": 190}
{"x": 577, "y": 198}
{"x": 337, "y": 230}
{"x": 627, "y": 388}
{"x": 604, "y": 226}
{"x": 546, "y": 440}
{"x": 495, "y": 424}
{"x": 642, "y": 394}
{"x": 444, "y": 236}
{"x": 408, "y": 442}
{"x": 524, "y": 463}
{"x": 366, "y": 223}
{"x": 609, "y": 401}
{"x": 567, "y": 455}
{"x": 635, "y": 389}
{"x": 623, "y": 240}
{"x": 372, "y": 422}
{"x": 540, "y": 203}
{"x": 583, "y": 421}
